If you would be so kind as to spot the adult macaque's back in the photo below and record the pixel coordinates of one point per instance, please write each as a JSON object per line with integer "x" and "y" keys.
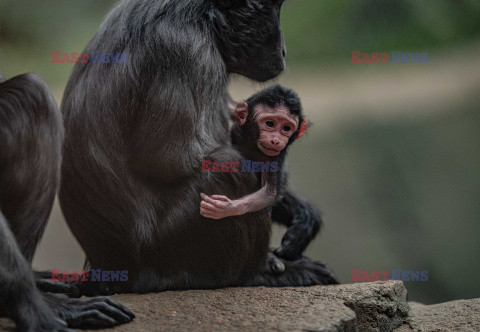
{"x": 136, "y": 133}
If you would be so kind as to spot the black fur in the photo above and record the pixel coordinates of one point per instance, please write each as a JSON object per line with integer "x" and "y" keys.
{"x": 303, "y": 221}
{"x": 31, "y": 134}
{"x": 136, "y": 134}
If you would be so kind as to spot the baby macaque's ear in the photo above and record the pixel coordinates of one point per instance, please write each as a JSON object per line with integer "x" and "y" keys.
{"x": 241, "y": 113}
{"x": 303, "y": 127}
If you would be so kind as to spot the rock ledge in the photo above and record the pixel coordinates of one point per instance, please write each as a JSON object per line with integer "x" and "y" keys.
{"x": 377, "y": 306}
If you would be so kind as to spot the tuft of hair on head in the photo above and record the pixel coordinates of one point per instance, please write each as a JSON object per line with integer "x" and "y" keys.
{"x": 275, "y": 96}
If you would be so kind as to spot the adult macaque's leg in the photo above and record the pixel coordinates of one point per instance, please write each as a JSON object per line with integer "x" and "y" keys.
{"x": 18, "y": 294}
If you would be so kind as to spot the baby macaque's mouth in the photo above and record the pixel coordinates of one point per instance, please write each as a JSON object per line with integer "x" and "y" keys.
{"x": 270, "y": 149}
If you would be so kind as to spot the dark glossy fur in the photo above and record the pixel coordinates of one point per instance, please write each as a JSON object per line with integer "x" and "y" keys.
{"x": 136, "y": 134}
{"x": 31, "y": 136}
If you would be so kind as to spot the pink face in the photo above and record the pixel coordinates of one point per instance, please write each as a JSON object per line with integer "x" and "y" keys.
{"x": 276, "y": 125}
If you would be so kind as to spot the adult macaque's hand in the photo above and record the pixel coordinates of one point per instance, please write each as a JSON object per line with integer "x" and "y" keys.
{"x": 217, "y": 207}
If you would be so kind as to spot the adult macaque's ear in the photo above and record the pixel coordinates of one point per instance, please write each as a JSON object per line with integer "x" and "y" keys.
{"x": 303, "y": 128}
{"x": 241, "y": 113}
{"x": 229, "y": 3}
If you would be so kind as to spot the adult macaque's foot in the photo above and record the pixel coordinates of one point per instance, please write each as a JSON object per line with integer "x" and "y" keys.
{"x": 34, "y": 314}
{"x": 97, "y": 313}
{"x": 58, "y": 287}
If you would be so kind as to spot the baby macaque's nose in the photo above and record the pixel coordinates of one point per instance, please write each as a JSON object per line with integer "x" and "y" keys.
{"x": 275, "y": 141}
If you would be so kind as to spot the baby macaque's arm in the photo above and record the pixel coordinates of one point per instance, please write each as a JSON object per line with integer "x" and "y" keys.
{"x": 218, "y": 207}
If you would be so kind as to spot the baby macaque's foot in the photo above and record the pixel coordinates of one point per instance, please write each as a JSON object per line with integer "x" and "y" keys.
{"x": 217, "y": 207}
{"x": 274, "y": 264}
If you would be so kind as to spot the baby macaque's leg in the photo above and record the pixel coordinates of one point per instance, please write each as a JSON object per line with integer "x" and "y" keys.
{"x": 303, "y": 221}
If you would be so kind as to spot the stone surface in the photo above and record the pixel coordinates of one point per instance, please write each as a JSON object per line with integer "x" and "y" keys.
{"x": 377, "y": 306}
{"x": 461, "y": 315}
{"x": 6, "y": 325}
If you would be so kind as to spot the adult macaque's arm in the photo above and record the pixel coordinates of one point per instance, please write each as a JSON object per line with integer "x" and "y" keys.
{"x": 218, "y": 207}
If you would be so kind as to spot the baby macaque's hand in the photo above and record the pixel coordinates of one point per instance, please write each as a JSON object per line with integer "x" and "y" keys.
{"x": 217, "y": 207}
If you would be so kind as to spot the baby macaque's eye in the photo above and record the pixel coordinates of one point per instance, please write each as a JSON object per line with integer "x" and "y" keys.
{"x": 270, "y": 124}
{"x": 286, "y": 128}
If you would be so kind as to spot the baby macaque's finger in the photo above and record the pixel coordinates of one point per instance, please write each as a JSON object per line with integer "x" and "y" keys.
{"x": 207, "y": 206}
{"x": 209, "y": 214}
{"x": 215, "y": 202}
{"x": 219, "y": 204}
{"x": 205, "y": 213}
{"x": 208, "y": 199}
{"x": 214, "y": 208}
{"x": 220, "y": 198}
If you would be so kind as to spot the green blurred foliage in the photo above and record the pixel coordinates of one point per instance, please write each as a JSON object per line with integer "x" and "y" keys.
{"x": 317, "y": 32}
{"x": 326, "y": 31}
{"x": 31, "y": 29}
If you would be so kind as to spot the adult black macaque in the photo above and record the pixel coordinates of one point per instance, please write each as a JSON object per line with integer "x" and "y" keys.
{"x": 136, "y": 134}
{"x": 31, "y": 135}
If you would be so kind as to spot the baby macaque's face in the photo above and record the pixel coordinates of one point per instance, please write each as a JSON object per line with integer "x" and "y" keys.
{"x": 275, "y": 126}
{"x": 270, "y": 128}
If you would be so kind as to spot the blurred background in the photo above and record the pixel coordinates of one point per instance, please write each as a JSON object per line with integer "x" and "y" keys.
{"x": 393, "y": 156}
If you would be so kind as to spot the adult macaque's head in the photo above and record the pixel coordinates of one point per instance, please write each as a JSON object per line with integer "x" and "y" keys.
{"x": 272, "y": 118}
{"x": 249, "y": 37}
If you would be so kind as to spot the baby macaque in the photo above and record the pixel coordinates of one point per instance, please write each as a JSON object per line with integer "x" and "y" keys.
{"x": 266, "y": 124}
